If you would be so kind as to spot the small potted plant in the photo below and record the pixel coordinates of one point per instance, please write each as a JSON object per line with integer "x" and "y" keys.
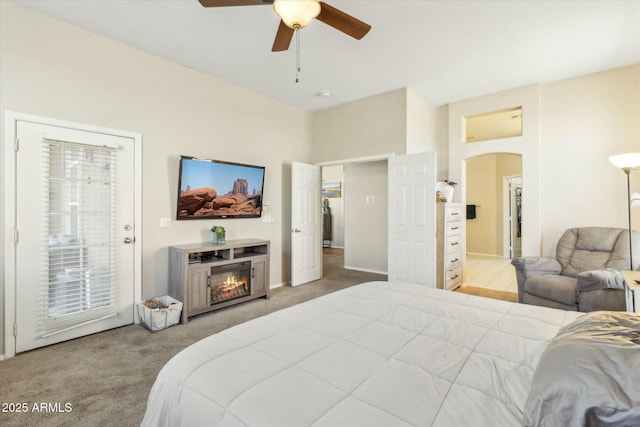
{"x": 218, "y": 234}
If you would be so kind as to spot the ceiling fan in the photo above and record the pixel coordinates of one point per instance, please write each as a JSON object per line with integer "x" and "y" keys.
{"x": 296, "y": 14}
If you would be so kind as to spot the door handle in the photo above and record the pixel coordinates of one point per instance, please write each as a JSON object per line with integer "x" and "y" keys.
{"x": 128, "y": 240}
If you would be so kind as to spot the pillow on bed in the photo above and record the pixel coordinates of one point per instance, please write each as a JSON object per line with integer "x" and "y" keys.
{"x": 589, "y": 374}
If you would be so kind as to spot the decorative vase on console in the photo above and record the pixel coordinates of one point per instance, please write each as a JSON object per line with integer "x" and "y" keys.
{"x": 445, "y": 188}
{"x": 218, "y": 235}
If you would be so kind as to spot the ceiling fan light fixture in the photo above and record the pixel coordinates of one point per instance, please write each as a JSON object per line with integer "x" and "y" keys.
{"x": 296, "y": 13}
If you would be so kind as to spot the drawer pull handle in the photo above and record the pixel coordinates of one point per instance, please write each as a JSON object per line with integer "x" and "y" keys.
{"x": 455, "y": 213}
{"x": 454, "y": 243}
{"x": 454, "y": 228}
{"x": 454, "y": 260}
{"x": 454, "y": 277}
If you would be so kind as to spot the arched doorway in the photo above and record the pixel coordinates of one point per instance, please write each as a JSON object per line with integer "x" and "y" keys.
{"x": 494, "y": 191}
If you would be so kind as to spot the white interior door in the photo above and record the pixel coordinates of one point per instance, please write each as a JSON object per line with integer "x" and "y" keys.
{"x": 306, "y": 224}
{"x": 75, "y": 256}
{"x": 412, "y": 219}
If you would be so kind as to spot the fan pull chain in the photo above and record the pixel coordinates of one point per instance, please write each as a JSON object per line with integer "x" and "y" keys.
{"x": 297, "y": 31}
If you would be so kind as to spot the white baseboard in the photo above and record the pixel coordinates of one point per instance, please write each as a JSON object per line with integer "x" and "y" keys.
{"x": 366, "y": 270}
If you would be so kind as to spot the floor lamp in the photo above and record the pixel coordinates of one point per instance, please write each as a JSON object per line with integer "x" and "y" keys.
{"x": 628, "y": 162}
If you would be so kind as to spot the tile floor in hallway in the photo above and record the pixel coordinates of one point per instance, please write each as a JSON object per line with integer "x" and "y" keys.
{"x": 491, "y": 272}
{"x": 482, "y": 271}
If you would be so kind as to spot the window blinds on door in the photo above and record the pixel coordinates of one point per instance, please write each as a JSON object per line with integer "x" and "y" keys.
{"x": 80, "y": 263}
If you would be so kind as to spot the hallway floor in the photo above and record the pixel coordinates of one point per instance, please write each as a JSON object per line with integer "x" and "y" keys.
{"x": 482, "y": 271}
{"x": 491, "y": 272}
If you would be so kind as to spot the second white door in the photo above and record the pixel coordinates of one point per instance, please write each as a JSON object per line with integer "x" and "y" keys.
{"x": 412, "y": 219}
{"x": 306, "y": 224}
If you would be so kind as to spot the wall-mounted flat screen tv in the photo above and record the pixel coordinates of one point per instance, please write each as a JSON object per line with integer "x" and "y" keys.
{"x": 210, "y": 189}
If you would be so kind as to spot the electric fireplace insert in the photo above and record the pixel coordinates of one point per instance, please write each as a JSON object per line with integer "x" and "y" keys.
{"x": 230, "y": 281}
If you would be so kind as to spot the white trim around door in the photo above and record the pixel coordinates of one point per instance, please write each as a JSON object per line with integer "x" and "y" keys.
{"x": 10, "y": 235}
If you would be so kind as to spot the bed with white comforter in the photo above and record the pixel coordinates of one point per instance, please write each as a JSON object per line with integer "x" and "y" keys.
{"x": 376, "y": 354}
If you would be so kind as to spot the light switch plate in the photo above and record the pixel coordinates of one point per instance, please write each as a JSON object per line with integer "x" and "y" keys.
{"x": 165, "y": 222}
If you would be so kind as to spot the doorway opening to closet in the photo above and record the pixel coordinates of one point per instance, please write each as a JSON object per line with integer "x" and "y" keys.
{"x": 354, "y": 217}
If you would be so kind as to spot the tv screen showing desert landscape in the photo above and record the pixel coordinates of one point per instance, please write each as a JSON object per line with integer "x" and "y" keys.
{"x": 217, "y": 189}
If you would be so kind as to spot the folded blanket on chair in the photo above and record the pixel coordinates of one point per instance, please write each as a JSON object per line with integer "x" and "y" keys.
{"x": 595, "y": 280}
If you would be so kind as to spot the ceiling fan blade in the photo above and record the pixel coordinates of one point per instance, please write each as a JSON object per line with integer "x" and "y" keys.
{"x": 342, "y": 22}
{"x": 283, "y": 38}
{"x": 224, "y": 3}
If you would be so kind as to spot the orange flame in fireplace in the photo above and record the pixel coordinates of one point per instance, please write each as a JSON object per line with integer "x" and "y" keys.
{"x": 232, "y": 282}
{"x": 231, "y": 287}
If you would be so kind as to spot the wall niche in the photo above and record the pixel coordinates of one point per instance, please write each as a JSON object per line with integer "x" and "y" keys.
{"x": 493, "y": 125}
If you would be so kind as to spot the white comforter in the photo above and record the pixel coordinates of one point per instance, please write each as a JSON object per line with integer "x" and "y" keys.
{"x": 377, "y": 354}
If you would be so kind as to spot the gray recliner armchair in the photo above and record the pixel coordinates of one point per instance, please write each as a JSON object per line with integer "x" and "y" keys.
{"x": 584, "y": 276}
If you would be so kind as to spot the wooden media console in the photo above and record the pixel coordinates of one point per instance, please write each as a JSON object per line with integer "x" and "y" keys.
{"x": 207, "y": 276}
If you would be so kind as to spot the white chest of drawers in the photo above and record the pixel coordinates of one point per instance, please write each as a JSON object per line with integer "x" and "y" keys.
{"x": 449, "y": 255}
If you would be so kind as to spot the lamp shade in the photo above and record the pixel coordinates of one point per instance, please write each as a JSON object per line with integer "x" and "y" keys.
{"x": 628, "y": 161}
{"x": 296, "y": 13}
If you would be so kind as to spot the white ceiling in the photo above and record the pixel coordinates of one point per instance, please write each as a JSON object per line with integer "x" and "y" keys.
{"x": 445, "y": 50}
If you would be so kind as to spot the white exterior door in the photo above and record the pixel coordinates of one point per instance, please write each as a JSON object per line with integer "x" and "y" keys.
{"x": 412, "y": 219}
{"x": 75, "y": 212}
{"x": 306, "y": 224}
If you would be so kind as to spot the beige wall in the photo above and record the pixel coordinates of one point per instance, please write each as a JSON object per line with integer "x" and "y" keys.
{"x": 570, "y": 129}
{"x": 397, "y": 122}
{"x": 52, "y": 69}
{"x": 366, "y": 222}
{"x": 485, "y": 176}
{"x": 584, "y": 120}
{"x": 442, "y": 141}
{"x": 371, "y": 126}
{"x": 420, "y": 124}
{"x": 481, "y": 191}
{"x": 527, "y": 145}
